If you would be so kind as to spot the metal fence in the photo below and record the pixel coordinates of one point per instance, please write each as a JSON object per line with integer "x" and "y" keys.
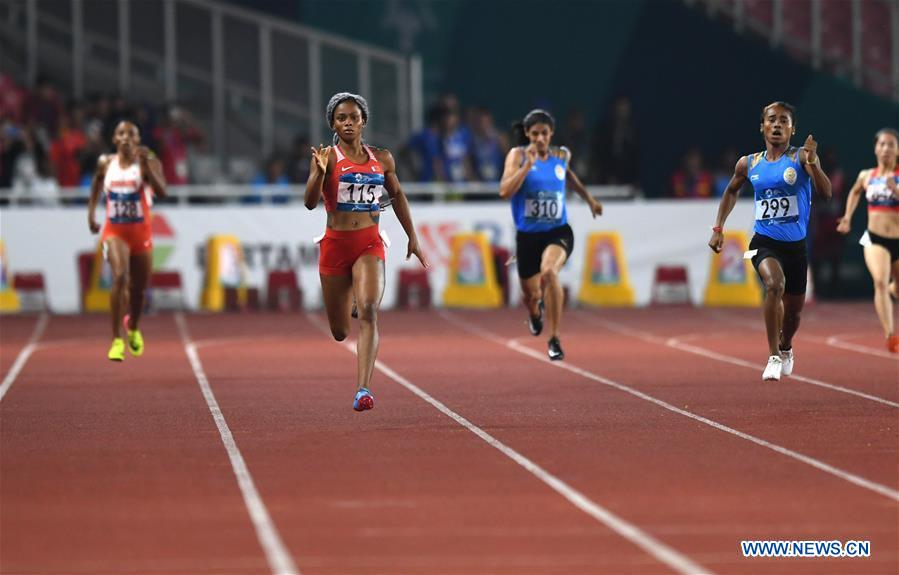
{"x": 252, "y": 81}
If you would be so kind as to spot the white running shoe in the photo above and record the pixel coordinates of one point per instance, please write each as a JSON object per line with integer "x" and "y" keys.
{"x": 787, "y": 356}
{"x": 773, "y": 369}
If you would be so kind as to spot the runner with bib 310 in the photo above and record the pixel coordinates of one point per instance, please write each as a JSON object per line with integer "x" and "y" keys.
{"x": 535, "y": 178}
{"x": 782, "y": 177}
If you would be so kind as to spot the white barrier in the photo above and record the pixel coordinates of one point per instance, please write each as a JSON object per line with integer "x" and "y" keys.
{"x": 48, "y": 240}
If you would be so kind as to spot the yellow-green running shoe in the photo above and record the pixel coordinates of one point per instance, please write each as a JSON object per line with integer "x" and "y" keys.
{"x": 135, "y": 342}
{"x": 117, "y": 350}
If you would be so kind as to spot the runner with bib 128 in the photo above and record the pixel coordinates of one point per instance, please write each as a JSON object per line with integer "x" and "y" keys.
{"x": 782, "y": 178}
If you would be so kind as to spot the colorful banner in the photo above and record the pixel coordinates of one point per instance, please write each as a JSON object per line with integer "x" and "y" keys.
{"x": 472, "y": 274}
{"x": 224, "y": 270}
{"x": 732, "y": 279}
{"x": 9, "y": 299}
{"x": 605, "y": 281}
{"x": 652, "y": 233}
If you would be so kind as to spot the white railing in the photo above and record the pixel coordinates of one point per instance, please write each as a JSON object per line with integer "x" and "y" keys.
{"x": 269, "y": 195}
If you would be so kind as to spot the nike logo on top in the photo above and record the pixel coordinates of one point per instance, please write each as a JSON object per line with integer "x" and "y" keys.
{"x": 345, "y": 168}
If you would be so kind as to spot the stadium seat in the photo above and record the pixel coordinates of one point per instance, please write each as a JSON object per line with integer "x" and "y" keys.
{"x": 671, "y": 286}
{"x": 283, "y": 291}
{"x": 32, "y": 291}
{"x": 414, "y": 289}
{"x": 166, "y": 291}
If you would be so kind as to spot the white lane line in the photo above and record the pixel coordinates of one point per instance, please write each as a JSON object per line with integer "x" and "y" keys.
{"x": 643, "y": 540}
{"x": 833, "y": 341}
{"x": 677, "y": 343}
{"x": 236, "y": 340}
{"x": 837, "y": 341}
{"x": 817, "y": 464}
{"x": 23, "y": 356}
{"x": 279, "y": 560}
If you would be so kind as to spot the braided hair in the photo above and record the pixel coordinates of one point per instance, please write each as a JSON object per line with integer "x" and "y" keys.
{"x": 338, "y": 99}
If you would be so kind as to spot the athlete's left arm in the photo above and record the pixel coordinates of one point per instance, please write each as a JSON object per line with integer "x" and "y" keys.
{"x": 400, "y": 205}
{"x": 575, "y": 184}
{"x": 151, "y": 171}
{"x": 812, "y": 164}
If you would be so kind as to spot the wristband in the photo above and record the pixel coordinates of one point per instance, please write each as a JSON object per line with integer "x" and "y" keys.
{"x": 717, "y": 229}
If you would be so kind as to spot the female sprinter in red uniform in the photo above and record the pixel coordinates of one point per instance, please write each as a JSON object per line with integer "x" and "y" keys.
{"x": 352, "y": 176}
{"x": 128, "y": 179}
{"x": 881, "y": 240}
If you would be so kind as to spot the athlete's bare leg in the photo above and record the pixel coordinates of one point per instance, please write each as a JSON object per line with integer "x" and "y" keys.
{"x": 773, "y": 278}
{"x": 141, "y": 266}
{"x": 368, "y": 285}
{"x": 551, "y": 263}
{"x": 118, "y": 255}
{"x": 877, "y": 258}
{"x": 337, "y": 292}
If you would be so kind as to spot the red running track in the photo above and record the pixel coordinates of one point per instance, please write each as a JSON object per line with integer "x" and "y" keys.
{"x": 655, "y": 423}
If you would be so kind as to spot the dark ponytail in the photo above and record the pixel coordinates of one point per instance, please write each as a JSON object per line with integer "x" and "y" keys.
{"x": 519, "y": 137}
{"x": 521, "y": 127}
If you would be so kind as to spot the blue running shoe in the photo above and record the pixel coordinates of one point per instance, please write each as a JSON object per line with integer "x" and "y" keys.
{"x": 364, "y": 400}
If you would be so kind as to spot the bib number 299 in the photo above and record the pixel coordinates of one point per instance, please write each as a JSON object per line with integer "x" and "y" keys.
{"x": 774, "y": 206}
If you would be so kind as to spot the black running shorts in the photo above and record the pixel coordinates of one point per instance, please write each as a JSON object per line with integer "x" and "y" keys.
{"x": 530, "y": 246}
{"x": 793, "y": 258}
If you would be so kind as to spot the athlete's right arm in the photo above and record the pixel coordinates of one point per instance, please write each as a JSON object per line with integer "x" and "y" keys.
{"x": 515, "y": 172}
{"x": 728, "y": 201}
{"x": 852, "y": 199}
{"x": 96, "y": 187}
{"x": 317, "y": 172}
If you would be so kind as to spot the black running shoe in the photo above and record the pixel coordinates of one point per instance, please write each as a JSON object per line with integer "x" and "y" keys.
{"x": 535, "y": 324}
{"x": 555, "y": 349}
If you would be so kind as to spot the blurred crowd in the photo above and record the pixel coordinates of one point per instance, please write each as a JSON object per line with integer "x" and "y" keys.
{"x": 48, "y": 142}
{"x": 459, "y": 145}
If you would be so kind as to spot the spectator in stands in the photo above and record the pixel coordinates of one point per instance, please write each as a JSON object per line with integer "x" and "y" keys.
{"x": 826, "y": 249}
{"x": 574, "y": 136}
{"x": 120, "y": 111}
{"x": 455, "y": 143}
{"x": 43, "y": 109}
{"x": 12, "y": 100}
{"x": 299, "y": 160}
{"x": 488, "y": 146}
{"x": 176, "y": 131}
{"x": 32, "y": 176}
{"x": 424, "y": 151}
{"x": 11, "y": 146}
{"x": 66, "y": 147}
{"x": 692, "y": 180}
{"x": 725, "y": 169}
{"x": 616, "y": 147}
{"x": 263, "y": 183}
{"x": 94, "y": 147}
